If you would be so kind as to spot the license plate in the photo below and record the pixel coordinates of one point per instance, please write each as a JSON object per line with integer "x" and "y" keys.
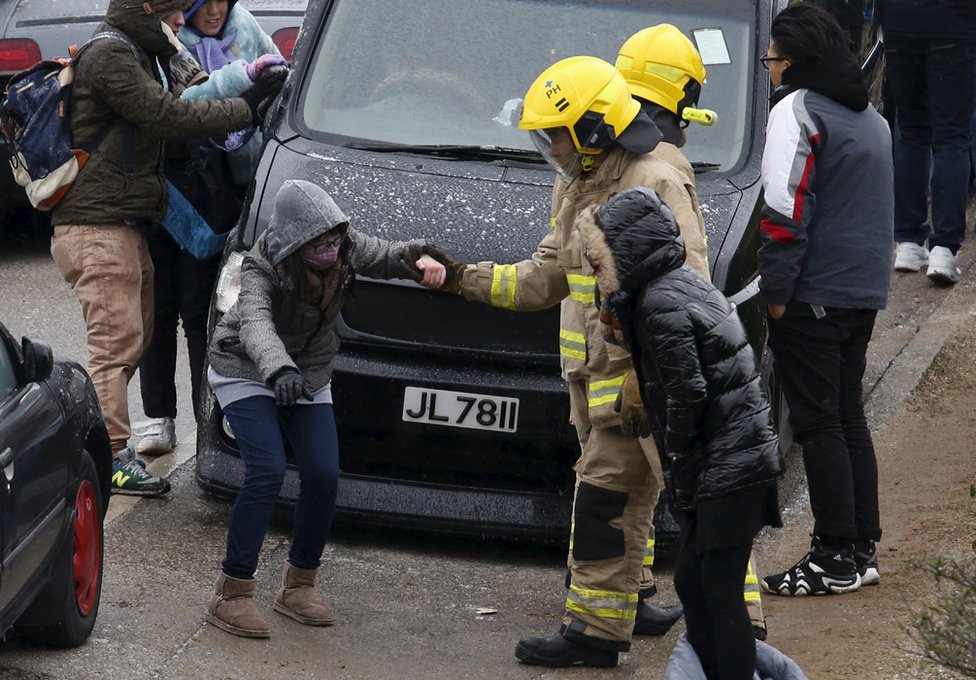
{"x": 460, "y": 409}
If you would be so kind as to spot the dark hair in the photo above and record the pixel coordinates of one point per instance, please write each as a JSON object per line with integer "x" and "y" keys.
{"x": 803, "y": 32}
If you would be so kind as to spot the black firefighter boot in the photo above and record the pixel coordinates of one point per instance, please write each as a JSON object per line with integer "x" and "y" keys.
{"x": 653, "y": 620}
{"x": 558, "y": 651}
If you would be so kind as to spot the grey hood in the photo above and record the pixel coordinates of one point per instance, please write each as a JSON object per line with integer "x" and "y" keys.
{"x": 302, "y": 212}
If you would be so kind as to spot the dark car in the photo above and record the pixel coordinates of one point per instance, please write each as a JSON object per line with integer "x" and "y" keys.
{"x": 56, "y": 464}
{"x": 452, "y": 415}
{"x": 31, "y": 31}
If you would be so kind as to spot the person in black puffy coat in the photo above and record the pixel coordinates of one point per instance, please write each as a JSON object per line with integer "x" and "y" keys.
{"x": 707, "y": 410}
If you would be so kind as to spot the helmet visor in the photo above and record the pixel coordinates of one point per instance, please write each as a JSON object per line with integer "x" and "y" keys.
{"x": 556, "y": 146}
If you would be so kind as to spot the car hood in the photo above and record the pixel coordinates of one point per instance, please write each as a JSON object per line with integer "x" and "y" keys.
{"x": 475, "y": 210}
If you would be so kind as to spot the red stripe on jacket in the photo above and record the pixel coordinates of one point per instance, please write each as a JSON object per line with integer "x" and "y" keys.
{"x": 804, "y": 182}
{"x": 776, "y": 232}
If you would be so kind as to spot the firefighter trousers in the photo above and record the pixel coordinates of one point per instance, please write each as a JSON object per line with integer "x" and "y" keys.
{"x": 618, "y": 480}
{"x": 612, "y": 543}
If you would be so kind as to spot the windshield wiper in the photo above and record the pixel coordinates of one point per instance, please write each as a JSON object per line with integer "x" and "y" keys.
{"x": 702, "y": 166}
{"x": 456, "y": 151}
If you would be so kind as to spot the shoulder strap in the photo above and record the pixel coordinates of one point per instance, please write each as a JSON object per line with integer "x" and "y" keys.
{"x": 112, "y": 35}
{"x": 107, "y": 125}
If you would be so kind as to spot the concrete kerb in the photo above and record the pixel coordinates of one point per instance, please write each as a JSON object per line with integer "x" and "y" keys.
{"x": 902, "y": 356}
{"x": 907, "y": 368}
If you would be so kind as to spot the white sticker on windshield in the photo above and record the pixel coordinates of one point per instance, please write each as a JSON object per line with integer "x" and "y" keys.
{"x": 711, "y": 46}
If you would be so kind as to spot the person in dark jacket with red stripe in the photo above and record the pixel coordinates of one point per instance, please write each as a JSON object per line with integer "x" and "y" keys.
{"x": 825, "y": 263}
{"x": 709, "y": 416}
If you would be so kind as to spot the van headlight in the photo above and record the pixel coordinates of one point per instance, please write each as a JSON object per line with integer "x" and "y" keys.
{"x": 229, "y": 282}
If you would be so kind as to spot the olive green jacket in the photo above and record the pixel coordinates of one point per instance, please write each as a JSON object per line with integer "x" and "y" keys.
{"x": 123, "y": 179}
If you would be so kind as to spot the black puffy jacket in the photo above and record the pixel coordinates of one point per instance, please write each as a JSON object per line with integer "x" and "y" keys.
{"x": 696, "y": 366}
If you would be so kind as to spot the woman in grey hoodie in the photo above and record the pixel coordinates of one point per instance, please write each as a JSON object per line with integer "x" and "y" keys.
{"x": 271, "y": 361}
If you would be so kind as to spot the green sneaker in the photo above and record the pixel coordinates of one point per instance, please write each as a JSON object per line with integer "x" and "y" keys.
{"x": 132, "y": 479}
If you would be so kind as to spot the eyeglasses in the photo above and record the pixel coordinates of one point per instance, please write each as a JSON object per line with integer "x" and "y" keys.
{"x": 765, "y": 59}
{"x": 331, "y": 243}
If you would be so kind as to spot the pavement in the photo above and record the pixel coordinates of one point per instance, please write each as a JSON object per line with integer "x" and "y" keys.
{"x": 407, "y": 605}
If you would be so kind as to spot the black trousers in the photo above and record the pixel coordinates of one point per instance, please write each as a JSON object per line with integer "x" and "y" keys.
{"x": 709, "y": 585}
{"x": 821, "y": 364}
{"x": 182, "y": 288}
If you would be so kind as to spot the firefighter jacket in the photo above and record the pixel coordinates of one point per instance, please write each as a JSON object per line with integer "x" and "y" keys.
{"x": 560, "y": 273}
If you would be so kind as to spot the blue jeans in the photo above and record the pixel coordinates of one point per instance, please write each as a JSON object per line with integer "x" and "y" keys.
{"x": 934, "y": 89}
{"x": 259, "y": 426}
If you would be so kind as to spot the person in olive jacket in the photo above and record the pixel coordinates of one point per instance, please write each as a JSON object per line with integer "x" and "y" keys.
{"x": 100, "y": 226}
{"x": 701, "y": 385}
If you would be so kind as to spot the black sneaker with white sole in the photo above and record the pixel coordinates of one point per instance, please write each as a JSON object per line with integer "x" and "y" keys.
{"x": 866, "y": 559}
{"x": 822, "y": 571}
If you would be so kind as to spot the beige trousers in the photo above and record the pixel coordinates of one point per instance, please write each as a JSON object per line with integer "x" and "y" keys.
{"x": 109, "y": 269}
{"x": 618, "y": 480}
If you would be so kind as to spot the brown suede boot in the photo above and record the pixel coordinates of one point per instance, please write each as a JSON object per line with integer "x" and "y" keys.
{"x": 232, "y": 608}
{"x": 299, "y": 600}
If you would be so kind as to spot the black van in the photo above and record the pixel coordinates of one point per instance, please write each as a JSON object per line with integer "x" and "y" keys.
{"x": 406, "y": 112}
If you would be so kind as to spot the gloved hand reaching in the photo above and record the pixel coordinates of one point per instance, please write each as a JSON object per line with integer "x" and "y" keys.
{"x": 289, "y": 387}
{"x": 256, "y": 67}
{"x": 454, "y": 269}
{"x": 260, "y": 95}
{"x": 633, "y": 416}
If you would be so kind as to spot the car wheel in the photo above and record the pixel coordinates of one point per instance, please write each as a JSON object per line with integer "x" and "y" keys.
{"x": 63, "y": 615}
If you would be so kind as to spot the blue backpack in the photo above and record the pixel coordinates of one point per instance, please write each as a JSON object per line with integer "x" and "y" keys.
{"x": 35, "y": 124}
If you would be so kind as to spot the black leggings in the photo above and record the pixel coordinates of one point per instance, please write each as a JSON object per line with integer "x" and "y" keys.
{"x": 710, "y": 588}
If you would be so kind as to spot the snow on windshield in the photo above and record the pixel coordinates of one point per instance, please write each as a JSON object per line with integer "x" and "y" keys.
{"x": 454, "y": 71}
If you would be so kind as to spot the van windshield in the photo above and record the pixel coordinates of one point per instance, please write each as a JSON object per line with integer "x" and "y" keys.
{"x": 453, "y": 72}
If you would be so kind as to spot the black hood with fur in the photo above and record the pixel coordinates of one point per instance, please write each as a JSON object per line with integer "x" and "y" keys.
{"x": 642, "y": 235}
{"x": 698, "y": 373}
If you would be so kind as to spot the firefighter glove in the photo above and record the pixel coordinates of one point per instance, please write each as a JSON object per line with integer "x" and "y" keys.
{"x": 289, "y": 387}
{"x": 633, "y": 415}
{"x": 454, "y": 269}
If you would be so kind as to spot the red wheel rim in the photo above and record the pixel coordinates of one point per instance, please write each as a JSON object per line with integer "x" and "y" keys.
{"x": 87, "y": 556}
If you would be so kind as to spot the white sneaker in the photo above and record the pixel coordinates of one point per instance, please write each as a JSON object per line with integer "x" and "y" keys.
{"x": 943, "y": 266}
{"x": 156, "y": 436}
{"x": 910, "y": 257}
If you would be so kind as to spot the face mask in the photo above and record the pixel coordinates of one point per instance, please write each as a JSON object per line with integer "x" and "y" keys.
{"x": 322, "y": 256}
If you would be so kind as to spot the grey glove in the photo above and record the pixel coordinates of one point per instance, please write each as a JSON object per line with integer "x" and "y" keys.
{"x": 289, "y": 387}
{"x": 260, "y": 95}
